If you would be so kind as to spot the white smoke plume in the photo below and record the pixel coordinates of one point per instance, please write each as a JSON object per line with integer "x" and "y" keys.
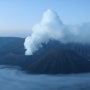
{"x": 52, "y": 28}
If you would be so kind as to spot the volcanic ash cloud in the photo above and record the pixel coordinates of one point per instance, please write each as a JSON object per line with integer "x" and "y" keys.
{"x": 49, "y": 28}
{"x": 52, "y": 28}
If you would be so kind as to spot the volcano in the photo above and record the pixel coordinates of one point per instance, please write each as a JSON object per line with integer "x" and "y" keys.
{"x": 53, "y": 58}
{"x": 60, "y": 61}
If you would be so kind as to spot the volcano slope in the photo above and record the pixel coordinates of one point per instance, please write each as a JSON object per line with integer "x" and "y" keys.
{"x": 60, "y": 61}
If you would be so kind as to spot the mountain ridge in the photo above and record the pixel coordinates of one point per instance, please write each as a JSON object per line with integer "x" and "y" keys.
{"x": 12, "y": 52}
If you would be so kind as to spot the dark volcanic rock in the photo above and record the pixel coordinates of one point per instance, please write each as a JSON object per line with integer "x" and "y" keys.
{"x": 60, "y": 61}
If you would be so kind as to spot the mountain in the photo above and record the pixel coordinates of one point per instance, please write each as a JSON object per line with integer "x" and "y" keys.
{"x": 12, "y": 54}
{"x": 60, "y": 61}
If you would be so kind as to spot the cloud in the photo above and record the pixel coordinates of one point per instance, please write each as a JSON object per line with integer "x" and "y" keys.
{"x": 52, "y": 28}
{"x": 13, "y": 79}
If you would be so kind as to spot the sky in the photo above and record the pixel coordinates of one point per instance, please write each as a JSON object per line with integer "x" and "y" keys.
{"x": 18, "y": 16}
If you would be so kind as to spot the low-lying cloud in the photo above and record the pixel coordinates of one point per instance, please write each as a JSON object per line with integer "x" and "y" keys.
{"x": 52, "y": 28}
{"x": 12, "y": 79}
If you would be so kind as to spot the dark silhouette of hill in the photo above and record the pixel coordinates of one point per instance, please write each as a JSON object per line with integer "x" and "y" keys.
{"x": 12, "y": 53}
{"x": 60, "y": 61}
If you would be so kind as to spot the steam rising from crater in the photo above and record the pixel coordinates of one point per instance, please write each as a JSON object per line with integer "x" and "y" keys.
{"x": 52, "y": 28}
